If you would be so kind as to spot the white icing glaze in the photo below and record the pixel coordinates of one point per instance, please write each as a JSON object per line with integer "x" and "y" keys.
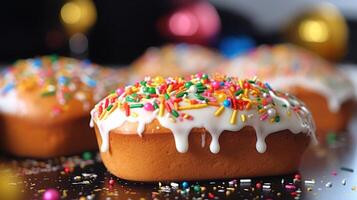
{"x": 10, "y": 103}
{"x": 296, "y": 122}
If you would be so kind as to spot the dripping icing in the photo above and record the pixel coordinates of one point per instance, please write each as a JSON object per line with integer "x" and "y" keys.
{"x": 296, "y": 122}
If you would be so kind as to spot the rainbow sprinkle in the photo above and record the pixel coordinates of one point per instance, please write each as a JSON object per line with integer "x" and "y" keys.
{"x": 61, "y": 78}
{"x": 174, "y": 96}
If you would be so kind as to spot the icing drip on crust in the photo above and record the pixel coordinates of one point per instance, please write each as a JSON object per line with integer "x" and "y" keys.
{"x": 53, "y": 77}
{"x": 287, "y": 66}
{"x": 215, "y": 103}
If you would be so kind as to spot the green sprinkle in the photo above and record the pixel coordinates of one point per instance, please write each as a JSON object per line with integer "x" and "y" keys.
{"x": 156, "y": 106}
{"x": 204, "y": 76}
{"x": 284, "y": 105}
{"x": 239, "y": 92}
{"x": 48, "y": 93}
{"x": 152, "y": 90}
{"x": 200, "y": 97}
{"x": 197, "y": 188}
{"x": 181, "y": 94}
{"x": 109, "y": 107}
{"x": 145, "y": 89}
{"x": 199, "y": 84}
{"x": 138, "y": 105}
{"x": 143, "y": 83}
{"x": 129, "y": 99}
{"x": 251, "y": 81}
{"x": 277, "y": 118}
{"x": 260, "y": 107}
{"x": 167, "y": 96}
{"x": 87, "y": 155}
{"x": 188, "y": 84}
{"x": 331, "y": 138}
{"x": 200, "y": 90}
{"x": 174, "y": 113}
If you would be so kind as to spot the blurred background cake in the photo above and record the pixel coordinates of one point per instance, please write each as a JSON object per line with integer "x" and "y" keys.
{"x": 326, "y": 90}
{"x": 45, "y": 104}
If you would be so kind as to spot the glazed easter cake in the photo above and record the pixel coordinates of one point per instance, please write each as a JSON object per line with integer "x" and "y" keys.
{"x": 45, "y": 103}
{"x": 328, "y": 93}
{"x": 201, "y": 128}
{"x": 175, "y": 60}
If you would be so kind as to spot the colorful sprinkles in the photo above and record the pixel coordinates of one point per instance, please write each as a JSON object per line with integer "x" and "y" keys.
{"x": 174, "y": 96}
{"x": 58, "y": 77}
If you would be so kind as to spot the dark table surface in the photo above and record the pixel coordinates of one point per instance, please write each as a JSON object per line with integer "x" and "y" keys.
{"x": 327, "y": 172}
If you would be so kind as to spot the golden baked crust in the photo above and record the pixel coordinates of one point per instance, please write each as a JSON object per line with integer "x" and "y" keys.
{"x": 153, "y": 157}
{"x": 24, "y": 138}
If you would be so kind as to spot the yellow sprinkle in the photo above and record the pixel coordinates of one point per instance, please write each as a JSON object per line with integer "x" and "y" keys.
{"x": 113, "y": 95}
{"x": 105, "y": 115}
{"x": 262, "y": 110}
{"x": 289, "y": 113}
{"x": 246, "y": 92}
{"x": 272, "y": 120}
{"x": 233, "y": 117}
{"x": 243, "y": 117}
{"x": 194, "y": 106}
{"x": 134, "y": 89}
{"x": 219, "y": 111}
{"x": 133, "y": 114}
{"x": 169, "y": 89}
{"x": 240, "y": 84}
{"x": 176, "y": 106}
{"x": 161, "y": 109}
{"x": 186, "y": 100}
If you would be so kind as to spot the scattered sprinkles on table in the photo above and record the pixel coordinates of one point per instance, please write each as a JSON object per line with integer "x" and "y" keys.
{"x": 58, "y": 77}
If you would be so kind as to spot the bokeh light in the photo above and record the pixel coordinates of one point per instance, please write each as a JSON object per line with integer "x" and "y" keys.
{"x": 314, "y": 31}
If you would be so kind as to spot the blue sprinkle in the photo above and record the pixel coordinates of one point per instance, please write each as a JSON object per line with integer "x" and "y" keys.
{"x": 86, "y": 62}
{"x": 62, "y": 80}
{"x": 185, "y": 185}
{"x": 268, "y": 86}
{"x": 37, "y": 62}
{"x": 7, "y": 88}
{"x": 91, "y": 82}
{"x": 222, "y": 83}
{"x": 226, "y": 103}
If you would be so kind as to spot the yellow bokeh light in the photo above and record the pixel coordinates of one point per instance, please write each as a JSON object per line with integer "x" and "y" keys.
{"x": 71, "y": 13}
{"x": 313, "y": 31}
{"x": 78, "y": 16}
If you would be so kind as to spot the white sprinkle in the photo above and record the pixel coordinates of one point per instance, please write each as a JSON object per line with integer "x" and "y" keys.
{"x": 328, "y": 184}
{"x": 245, "y": 180}
{"x": 174, "y": 185}
{"x": 310, "y": 182}
{"x": 343, "y": 181}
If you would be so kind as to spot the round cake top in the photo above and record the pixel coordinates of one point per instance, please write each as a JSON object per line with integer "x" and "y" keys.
{"x": 51, "y": 84}
{"x": 215, "y": 103}
{"x": 173, "y": 60}
{"x": 286, "y": 66}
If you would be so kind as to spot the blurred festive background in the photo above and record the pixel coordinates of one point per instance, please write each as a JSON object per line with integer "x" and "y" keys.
{"x": 117, "y": 33}
{"x": 112, "y": 32}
